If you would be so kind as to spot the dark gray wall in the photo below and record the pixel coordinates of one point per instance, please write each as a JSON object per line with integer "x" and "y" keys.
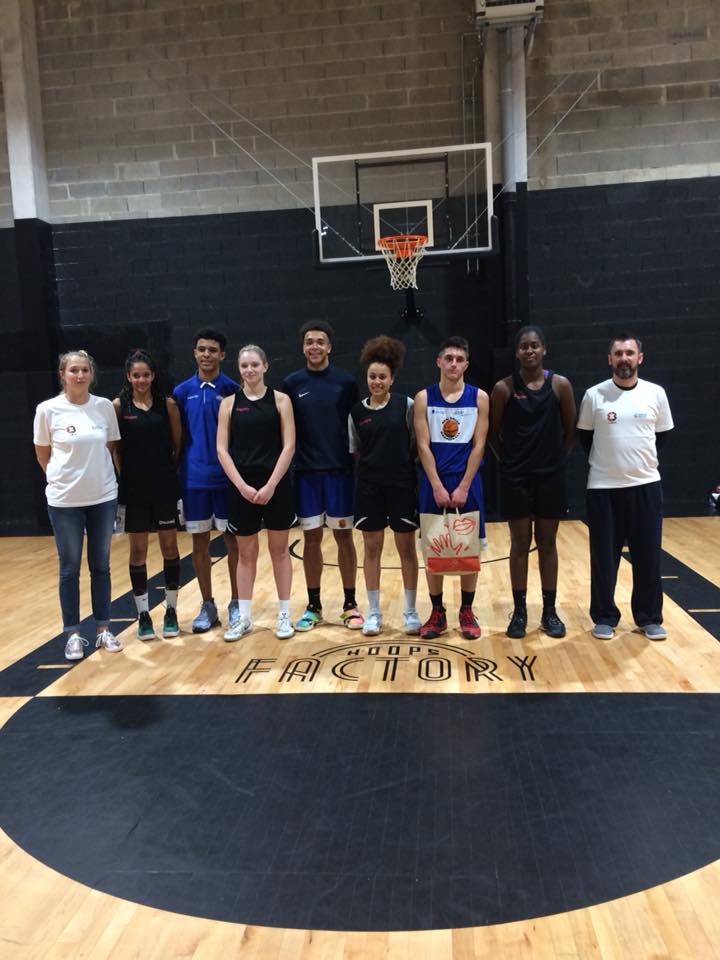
{"x": 644, "y": 257}
{"x": 152, "y": 283}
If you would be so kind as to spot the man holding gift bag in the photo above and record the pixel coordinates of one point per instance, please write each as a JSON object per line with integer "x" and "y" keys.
{"x": 451, "y": 424}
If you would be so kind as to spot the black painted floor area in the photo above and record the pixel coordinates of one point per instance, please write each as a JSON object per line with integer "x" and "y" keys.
{"x": 366, "y": 812}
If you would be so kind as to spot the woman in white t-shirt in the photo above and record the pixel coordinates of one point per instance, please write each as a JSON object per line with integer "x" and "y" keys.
{"x": 74, "y": 434}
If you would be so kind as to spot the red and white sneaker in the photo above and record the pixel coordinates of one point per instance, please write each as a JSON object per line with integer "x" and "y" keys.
{"x": 469, "y": 627}
{"x": 352, "y": 618}
{"x": 435, "y": 624}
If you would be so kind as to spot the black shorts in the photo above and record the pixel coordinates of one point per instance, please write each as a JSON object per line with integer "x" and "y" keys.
{"x": 377, "y": 506}
{"x": 534, "y": 495}
{"x": 150, "y": 517}
{"x": 246, "y": 519}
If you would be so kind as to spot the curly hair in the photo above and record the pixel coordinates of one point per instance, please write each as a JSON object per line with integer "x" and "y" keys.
{"x": 156, "y": 388}
{"x": 385, "y": 350}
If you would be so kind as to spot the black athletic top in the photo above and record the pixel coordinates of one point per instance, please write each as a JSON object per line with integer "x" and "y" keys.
{"x": 384, "y": 442}
{"x": 531, "y": 440}
{"x": 255, "y": 438}
{"x": 148, "y": 473}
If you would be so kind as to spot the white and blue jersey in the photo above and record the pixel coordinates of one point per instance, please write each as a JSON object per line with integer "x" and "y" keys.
{"x": 451, "y": 427}
{"x": 199, "y": 403}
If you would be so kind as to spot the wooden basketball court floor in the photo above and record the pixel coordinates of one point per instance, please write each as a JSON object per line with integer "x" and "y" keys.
{"x": 190, "y": 798}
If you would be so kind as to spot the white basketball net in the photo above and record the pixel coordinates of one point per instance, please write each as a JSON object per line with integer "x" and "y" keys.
{"x": 402, "y": 255}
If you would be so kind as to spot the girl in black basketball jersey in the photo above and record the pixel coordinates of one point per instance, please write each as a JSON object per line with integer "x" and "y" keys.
{"x": 532, "y": 426}
{"x": 381, "y": 437}
{"x": 147, "y": 463}
{"x": 255, "y": 445}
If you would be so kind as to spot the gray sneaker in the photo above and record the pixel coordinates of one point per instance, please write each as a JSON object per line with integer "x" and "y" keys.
{"x": 284, "y": 628}
{"x": 207, "y": 618}
{"x": 74, "y": 647}
{"x": 241, "y": 626}
{"x": 233, "y": 613}
{"x": 108, "y": 640}
{"x": 411, "y": 622}
{"x": 373, "y": 623}
{"x": 654, "y": 631}
{"x": 603, "y": 631}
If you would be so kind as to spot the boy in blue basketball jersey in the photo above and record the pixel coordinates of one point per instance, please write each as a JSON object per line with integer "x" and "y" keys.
{"x": 322, "y": 397}
{"x": 202, "y": 480}
{"x": 451, "y": 424}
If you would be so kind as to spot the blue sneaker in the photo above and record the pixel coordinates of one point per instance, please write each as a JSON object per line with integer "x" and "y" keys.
{"x": 654, "y": 631}
{"x": 233, "y": 613}
{"x": 309, "y": 620}
{"x": 207, "y": 618}
{"x": 411, "y": 622}
{"x": 603, "y": 631}
{"x": 373, "y": 624}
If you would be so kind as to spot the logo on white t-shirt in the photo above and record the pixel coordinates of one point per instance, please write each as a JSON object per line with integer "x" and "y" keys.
{"x": 71, "y": 429}
{"x": 612, "y": 416}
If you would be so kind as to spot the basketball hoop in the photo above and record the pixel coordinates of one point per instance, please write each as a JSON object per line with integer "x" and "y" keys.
{"x": 402, "y": 254}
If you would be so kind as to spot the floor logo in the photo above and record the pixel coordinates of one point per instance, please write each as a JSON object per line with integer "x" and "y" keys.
{"x": 431, "y": 663}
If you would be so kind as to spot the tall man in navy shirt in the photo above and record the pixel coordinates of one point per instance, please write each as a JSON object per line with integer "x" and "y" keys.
{"x": 322, "y": 397}
{"x": 202, "y": 479}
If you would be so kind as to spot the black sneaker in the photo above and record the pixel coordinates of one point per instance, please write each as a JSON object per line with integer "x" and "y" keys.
{"x": 145, "y": 630}
{"x": 170, "y": 623}
{"x": 552, "y": 624}
{"x": 518, "y": 622}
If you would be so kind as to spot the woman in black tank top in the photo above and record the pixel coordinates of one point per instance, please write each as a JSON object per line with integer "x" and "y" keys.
{"x": 532, "y": 426}
{"x": 382, "y": 440}
{"x": 147, "y": 463}
{"x": 255, "y": 446}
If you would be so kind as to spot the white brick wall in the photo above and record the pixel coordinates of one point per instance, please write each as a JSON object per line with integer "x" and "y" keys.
{"x": 654, "y": 110}
{"x": 330, "y": 76}
{"x": 320, "y": 76}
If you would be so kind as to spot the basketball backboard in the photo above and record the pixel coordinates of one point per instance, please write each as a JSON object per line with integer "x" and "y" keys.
{"x": 444, "y": 193}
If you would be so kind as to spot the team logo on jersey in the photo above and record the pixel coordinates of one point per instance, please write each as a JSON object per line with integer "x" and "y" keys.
{"x": 71, "y": 429}
{"x": 450, "y": 428}
{"x": 612, "y": 416}
{"x": 243, "y": 409}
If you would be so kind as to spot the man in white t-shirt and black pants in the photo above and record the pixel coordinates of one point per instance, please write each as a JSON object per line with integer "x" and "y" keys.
{"x": 619, "y": 425}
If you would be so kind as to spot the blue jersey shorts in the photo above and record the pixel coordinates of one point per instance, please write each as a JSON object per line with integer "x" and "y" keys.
{"x": 325, "y": 497}
{"x": 204, "y": 509}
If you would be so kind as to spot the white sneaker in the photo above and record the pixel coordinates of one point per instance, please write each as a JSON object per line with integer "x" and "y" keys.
{"x": 241, "y": 626}
{"x": 107, "y": 640}
{"x": 284, "y": 628}
{"x": 373, "y": 624}
{"x": 74, "y": 647}
{"x": 411, "y": 622}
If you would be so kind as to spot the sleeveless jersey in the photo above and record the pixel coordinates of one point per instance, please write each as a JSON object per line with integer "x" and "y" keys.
{"x": 451, "y": 427}
{"x": 532, "y": 435}
{"x": 255, "y": 440}
{"x": 148, "y": 474}
{"x": 384, "y": 442}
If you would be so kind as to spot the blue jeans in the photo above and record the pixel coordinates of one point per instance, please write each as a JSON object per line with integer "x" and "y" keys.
{"x": 69, "y": 525}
